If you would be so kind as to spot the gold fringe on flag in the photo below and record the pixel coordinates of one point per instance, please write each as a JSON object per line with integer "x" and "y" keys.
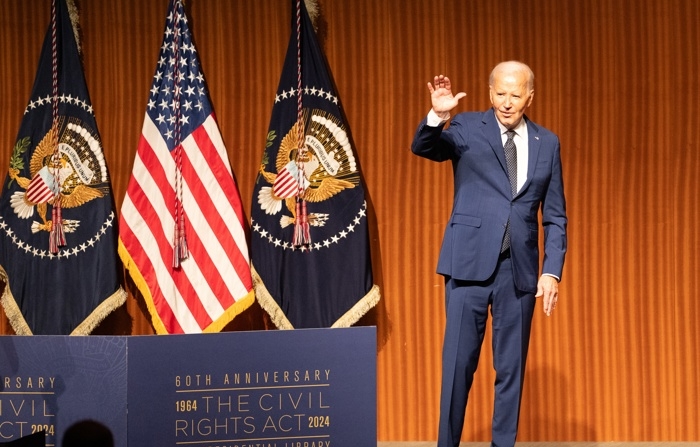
{"x": 20, "y": 326}
{"x": 215, "y": 326}
{"x": 279, "y": 319}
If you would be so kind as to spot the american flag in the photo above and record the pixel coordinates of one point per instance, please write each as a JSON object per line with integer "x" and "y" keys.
{"x": 181, "y": 234}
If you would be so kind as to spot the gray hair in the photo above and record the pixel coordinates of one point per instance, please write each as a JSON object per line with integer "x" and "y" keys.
{"x": 513, "y": 66}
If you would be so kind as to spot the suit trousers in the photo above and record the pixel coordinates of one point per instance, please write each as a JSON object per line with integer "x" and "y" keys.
{"x": 467, "y": 305}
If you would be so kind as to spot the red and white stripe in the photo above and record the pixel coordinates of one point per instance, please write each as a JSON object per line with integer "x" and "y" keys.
{"x": 286, "y": 184}
{"x": 39, "y": 190}
{"x": 217, "y": 273}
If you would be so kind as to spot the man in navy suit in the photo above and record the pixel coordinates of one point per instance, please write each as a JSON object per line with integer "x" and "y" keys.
{"x": 490, "y": 251}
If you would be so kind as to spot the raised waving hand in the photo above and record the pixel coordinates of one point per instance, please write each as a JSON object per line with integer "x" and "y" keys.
{"x": 443, "y": 100}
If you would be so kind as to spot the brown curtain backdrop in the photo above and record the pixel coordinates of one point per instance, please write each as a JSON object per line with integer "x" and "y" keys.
{"x": 617, "y": 80}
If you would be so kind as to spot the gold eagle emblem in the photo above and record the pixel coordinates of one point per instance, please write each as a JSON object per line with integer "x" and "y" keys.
{"x": 74, "y": 169}
{"x": 327, "y": 164}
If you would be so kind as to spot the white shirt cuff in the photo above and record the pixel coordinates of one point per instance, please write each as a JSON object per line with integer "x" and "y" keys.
{"x": 434, "y": 120}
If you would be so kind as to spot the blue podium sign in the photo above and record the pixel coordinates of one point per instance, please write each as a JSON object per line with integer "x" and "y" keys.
{"x": 296, "y": 388}
{"x": 50, "y": 382}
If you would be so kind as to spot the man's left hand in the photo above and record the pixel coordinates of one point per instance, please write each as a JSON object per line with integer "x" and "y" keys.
{"x": 548, "y": 289}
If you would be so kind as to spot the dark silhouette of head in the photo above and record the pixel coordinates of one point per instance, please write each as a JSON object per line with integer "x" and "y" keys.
{"x": 88, "y": 433}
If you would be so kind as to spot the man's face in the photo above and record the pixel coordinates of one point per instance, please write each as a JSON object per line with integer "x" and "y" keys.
{"x": 510, "y": 97}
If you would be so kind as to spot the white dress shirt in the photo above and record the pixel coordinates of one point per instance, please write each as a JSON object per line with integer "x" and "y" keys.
{"x": 521, "y": 148}
{"x": 520, "y": 140}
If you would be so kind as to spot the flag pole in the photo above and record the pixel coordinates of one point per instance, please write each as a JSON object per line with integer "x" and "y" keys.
{"x": 57, "y": 238}
{"x": 180, "y": 251}
{"x": 302, "y": 234}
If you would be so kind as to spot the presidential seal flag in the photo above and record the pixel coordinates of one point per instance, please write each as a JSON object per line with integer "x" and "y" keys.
{"x": 310, "y": 237}
{"x": 181, "y": 232}
{"x": 57, "y": 220}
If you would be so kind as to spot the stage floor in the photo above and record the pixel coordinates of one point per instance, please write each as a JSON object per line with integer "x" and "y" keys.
{"x": 548, "y": 444}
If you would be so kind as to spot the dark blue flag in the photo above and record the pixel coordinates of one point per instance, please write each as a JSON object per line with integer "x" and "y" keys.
{"x": 310, "y": 239}
{"x": 57, "y": 220}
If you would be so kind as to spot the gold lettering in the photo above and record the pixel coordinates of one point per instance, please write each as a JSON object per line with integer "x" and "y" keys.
{"x": 15, "y": 409}
{"x": 284, "y": 416}
{"x": 2, "y": 430}
{"x": 223, "y": 426}
{"x": 223, "y": 403}
{"x": 242, "y": 404}
{"x": 248, "y": 421}
{"x": 46, "y": 413}
{"x": 320, "y": 401}
{"x": 180, "y": 426}
{"x": 7, "y": 426}
{"x": 295, "y": 405}
{"x": 260, "y": 402}
{"x": 269, "y": 424}
{"x": 206, "y": 403}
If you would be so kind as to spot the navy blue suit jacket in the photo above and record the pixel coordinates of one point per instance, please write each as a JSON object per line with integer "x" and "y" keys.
{"x": 483, "y": 202}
